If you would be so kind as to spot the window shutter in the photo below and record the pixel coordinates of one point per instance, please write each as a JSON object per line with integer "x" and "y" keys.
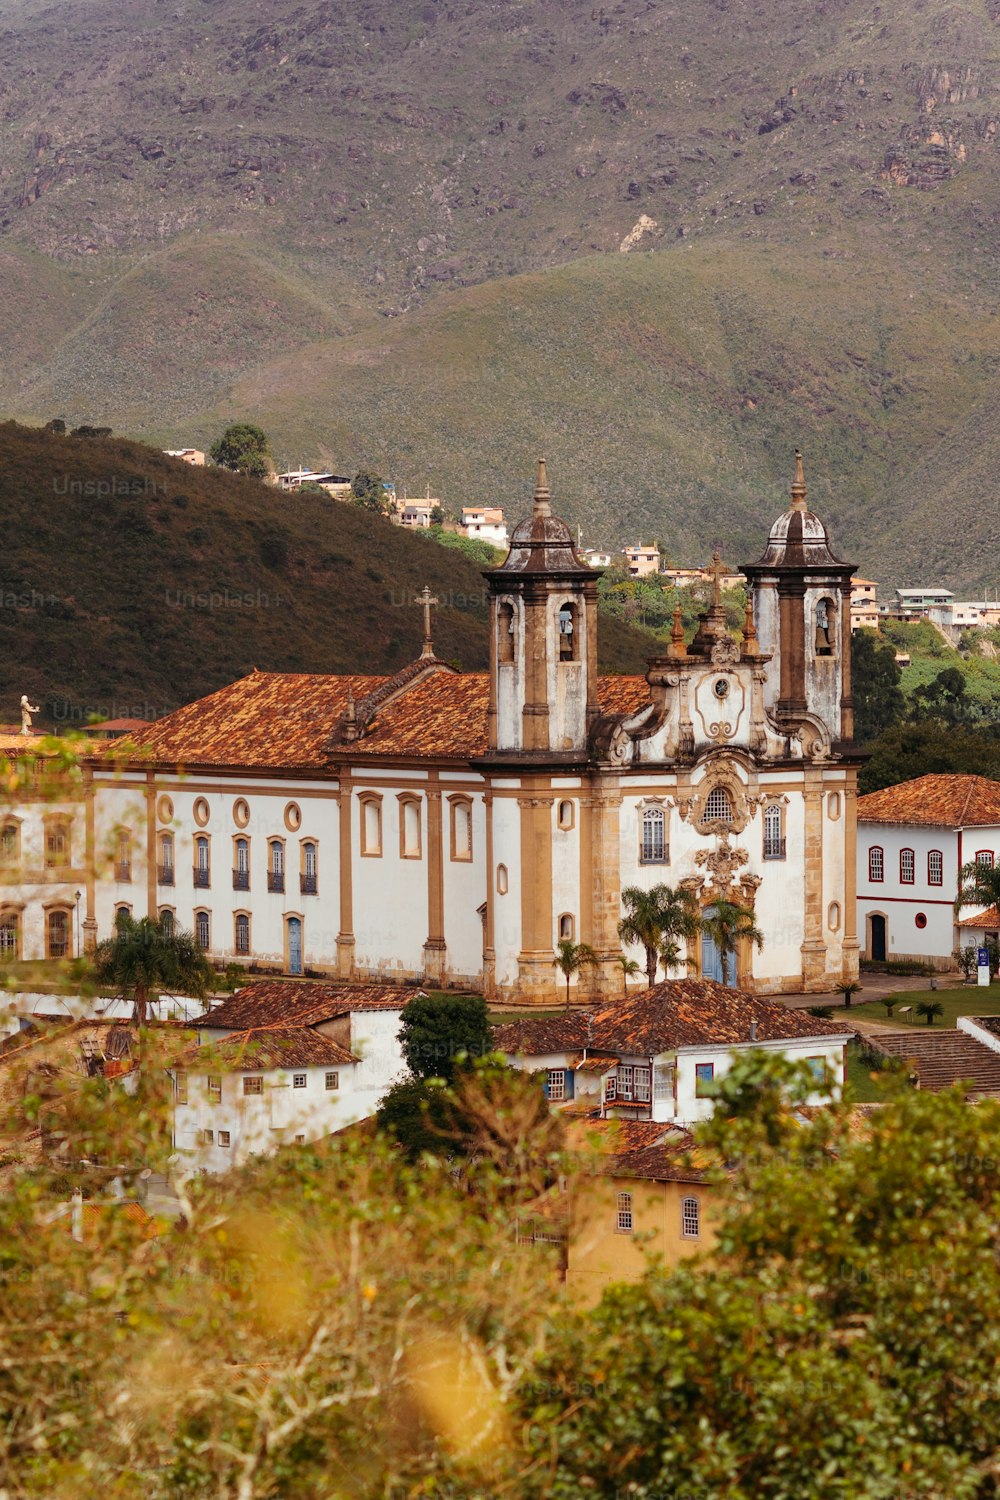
{"x": 546, "y": 1084}
{"x": 570, "y": 1082}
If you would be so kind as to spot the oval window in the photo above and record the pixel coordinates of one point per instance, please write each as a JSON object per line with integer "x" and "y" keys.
{"x": 501, "y": 880}
{"x": 165, "y": 810}
{"x": 201, "y": 812}
{"x": 920, "y": 920}
{"x": 293, "y": 817}
{"x": 241, "y": 812}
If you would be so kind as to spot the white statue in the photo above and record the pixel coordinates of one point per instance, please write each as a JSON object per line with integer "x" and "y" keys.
{"x": 27, "y": 709}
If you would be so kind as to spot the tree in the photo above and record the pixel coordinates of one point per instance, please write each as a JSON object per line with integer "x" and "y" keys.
{"x": 629, "y": 969}
{"x": 890, "y": 1002}
{"x": 726, "y": 925}
{"x": 849, "y": 991}
{"x": 905, "y": 751}
{"x": 370, "y": 493}
{"x": 978, "y": 885}
{"x": 930, "y": 1010}
{"x": 571, "y": 958}
{"x": 944, "y": 698}
{"x": 875, "y": 679}
{"x": 655, "y": 916}
{"x": 441, "y": 1032}
{"x": 243, "y": 448}
{"x": 142, "y": 957}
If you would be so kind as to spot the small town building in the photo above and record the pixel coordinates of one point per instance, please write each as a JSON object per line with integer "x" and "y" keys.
{"x": 596, "y": 559}
{"x": 864, "y": 604}
{"x": 913, "y": 840}
{"x": 486, "y": 523}
{"x": 416, "y": 514}
{"x": 187, "y": 455}
{"x": 641, "y": 560}
{"x": 336, "y": 485}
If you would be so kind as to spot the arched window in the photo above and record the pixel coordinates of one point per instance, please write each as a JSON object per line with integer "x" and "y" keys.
{"x": 461, "y": 828}
{"x": 907, "y": 866}
{"x": 309, "y": 872}
{"x": 568, "y": 633}
{"x": 276, "y": 865}
{"x": 202, "y": 930}
{"x": 935, "y": 867}
{"x": 833, "y": 916}
{"x": 241, "y": 865}
{"x": 985, "y": 857}
{"x": 123, "y": 862}
{"x": 567, "y": 928}
{"x": 202, "y": 877}
{"x": 409, "y": 827}
{"x": 624, "y": 1222}
{"x": 718, "y": 808}
{"x": 57, "y": 843}
{"x": 690, "y": 1219}
{"x": 122, "y": 913}
{"x": 10, "y": 936}
{"x": 653, "y": 845}
{"x": 168, "y": 924}
{"x": 566, "y": 816}
{"x": 57, "y": 933}
{"x": 502, "y": 880}
{"x": 371, "y": 826}
{"x": 825, "y": 627}
{"x": 505, "y": 633}
{"x": 165, "y": 870}
{"x": 876, "y": 864}
{"x": 833, "y": 806}
{"x": 10, "y": 844}
{"x": 242, "y": 929}
{"x": 774, "y": 832}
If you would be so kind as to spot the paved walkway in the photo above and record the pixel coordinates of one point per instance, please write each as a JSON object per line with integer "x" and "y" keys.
{"x": 875, "y": 987}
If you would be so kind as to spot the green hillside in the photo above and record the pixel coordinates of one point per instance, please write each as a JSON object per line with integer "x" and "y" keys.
{"x": 131, "y": 583}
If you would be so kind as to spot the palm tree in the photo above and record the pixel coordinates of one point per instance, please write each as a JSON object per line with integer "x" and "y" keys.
{"x": 726, "y": 925}
{"x": 653, "y": 918}
{"x": 142, "y": 956}
{"x": 629, "y": 969}
{"x": 978, "y": 885}
{"x": 571, "y": 957}
{"x": 929, "y": 1009}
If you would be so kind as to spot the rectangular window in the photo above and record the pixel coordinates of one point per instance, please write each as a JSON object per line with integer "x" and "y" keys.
{"x": 8, "y": 844}
{"x": 333, "y": 1081}
{"x": 56, "y": 847}
{"x": 690, "y": 1219}
{"x": 624, "y": 1220}
{"x": 298, "y": 1080}
{"x": 704, "y": 1073}
{"x": 208, "y": 1137}
{"x": 876, "y": 865}
{"x": 985, "y": 857}
{"x": 653, "y": 849}
{"x": 663, "y": 1081}
{"x": 555, "y": 1085}
{"x": 253, "y": 1085}
{"x": 907, "y": 866}
{"x": 817, "y": 1067}
{"x": 935, "y": 867}
{"x": 625, "y": 1073}
{"x": 202, "y": 929}
{"x": 409, "y": 829}
{"x": 371, "y": 827}
{"x": 223, "y": 1137}
{"x": 180, "y": 1088}
{"x": 642, "y": 1082}
{"x": 214, "y": 1089}
{"x": 242, "y": 933}
{"x": 461, "y": 830}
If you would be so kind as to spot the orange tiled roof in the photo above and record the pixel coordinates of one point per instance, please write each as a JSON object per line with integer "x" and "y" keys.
{"x": 640, "y": 1148}
{"x": 942, "y": 801}
{"x": 260, "y": 1049}
{"x": 988, "y": 919}
{"x": 676, "y": 1013}
{"x": 297, "y": 721}
{"x": 283, "y": 1002}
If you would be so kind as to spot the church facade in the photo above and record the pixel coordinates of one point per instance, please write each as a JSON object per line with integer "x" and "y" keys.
{"x": 452, "y": 827}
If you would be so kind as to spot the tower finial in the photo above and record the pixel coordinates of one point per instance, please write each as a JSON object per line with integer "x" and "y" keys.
{"x": 799, "y": 487}
{"x": 542, "y": 507}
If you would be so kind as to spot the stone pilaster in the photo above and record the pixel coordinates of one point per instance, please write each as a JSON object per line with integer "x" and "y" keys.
{"x": 813, "y": 946}
{"x": 345, "y": 936}
{"x": 536, "y": 960}
{"x": 435, "y": 948}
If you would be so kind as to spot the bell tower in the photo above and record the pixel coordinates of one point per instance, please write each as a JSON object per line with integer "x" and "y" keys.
{"x": 802, "y": 609}
{"x": 543, "y": 639}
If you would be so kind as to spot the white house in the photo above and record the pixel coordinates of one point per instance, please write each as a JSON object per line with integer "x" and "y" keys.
{"x": 486, "y": 523}
{"x": 655, "y": 1055}
{"x": 913, "y": 840}
{"x": 280, "y": 1062}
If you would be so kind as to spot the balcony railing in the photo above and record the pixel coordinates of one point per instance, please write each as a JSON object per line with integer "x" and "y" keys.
{"x": 123, "y": 869}
{"x": 307, "y": 885}
{"x": 202, "y": 879}
{"x": 241, "y": 880}
{"x": 164, "y": 874}
{"x": 774, "y": 848}
{"x": 276, "y": 880}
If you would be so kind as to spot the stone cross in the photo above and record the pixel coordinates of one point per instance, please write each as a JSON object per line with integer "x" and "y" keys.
{"x": 718, "y": 571}
{"x": 428, "y": 601}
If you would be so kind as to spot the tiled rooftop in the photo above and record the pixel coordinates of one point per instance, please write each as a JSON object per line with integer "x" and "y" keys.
{"x": 284, "y": 1002}
{"x": 259, "y": 1049}
{"x": 639, "y": 1148}
{"x": 988, "y": 919}
{"x": 940, "y": 801}
{"x": 676, "y": 1013}
{"x": 293, "y": 721}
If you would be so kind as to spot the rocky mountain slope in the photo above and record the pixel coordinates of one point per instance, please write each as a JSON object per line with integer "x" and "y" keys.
{"x": 396, "y": 232}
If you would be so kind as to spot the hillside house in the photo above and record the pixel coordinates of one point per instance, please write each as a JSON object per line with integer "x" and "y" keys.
{"x": 486, "y": 523}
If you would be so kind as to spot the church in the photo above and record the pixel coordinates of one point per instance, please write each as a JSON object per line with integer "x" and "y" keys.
{"x": 451, "y": 828}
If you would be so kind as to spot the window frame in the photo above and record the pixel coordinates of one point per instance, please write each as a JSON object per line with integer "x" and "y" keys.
{"x": 873, "y": 850}
{"x": 708, "y": 816}
{"x": 702, "y": 1079}
{"x": 566, "y": 821}
{"x": 460, "y": 804}
{"x": 624, "y": 1214}
{"x": 181, "y": 1092}
{"x": 57, "y": 826}
{"x": 652, "y": 816}
{"x": 567, "y": 921}
{"x": 774, "y": 846}
{"x": 225, "y": 1139}
{"x": 409, "y": 804}
{"x": 555, "y": 1085}
{"x": 911, "y": 878}
{"x": 300, "y": 1080}
{"x": 690, "y": 1215}
{"x": 12, "y": 915}
{"x": 939, "y": 854}
{"x": 203, "y": 917}
{"x": 58, "y": 910}
{"x": 334, "y": 1087}
{"x": 213, "y": 1088}
{"x": 253, "y": 1085}
{"x": 238, "y": 917}
{"x": 986, "y": 858}
{"x": 368, "y": 800}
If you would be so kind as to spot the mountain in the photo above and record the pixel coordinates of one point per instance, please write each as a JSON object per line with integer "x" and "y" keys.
{"x": 131, "y": 583}
{"x": 393, "y": 234}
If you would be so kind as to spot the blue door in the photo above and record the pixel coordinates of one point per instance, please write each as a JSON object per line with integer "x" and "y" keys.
{"x": 294, "y": 945}
{"x": 711, "y": 958}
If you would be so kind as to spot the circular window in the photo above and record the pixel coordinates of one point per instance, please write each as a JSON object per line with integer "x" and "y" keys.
{"x": 201, "y": 812}
{"x": 721, "y": 687}
{"x": 920, "y": 920}
{"x": 241, "y": 812}
{"x": 165, "y": 810}
{"x": 293, "y": 817}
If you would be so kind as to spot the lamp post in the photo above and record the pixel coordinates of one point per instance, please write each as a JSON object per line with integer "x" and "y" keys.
{"x": 78, "y": 895}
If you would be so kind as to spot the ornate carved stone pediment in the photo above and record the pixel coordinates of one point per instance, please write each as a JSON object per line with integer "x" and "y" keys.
{"x": 723, "y": 861}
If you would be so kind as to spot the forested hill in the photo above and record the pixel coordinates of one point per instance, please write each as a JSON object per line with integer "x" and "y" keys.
{"x": 131, "y": 583}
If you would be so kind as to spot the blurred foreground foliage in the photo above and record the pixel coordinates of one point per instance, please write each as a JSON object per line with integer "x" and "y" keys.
{"x": 338, "y": 1321}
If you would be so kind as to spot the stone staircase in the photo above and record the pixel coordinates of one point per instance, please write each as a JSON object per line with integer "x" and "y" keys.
{"x": 941, "y": 1058}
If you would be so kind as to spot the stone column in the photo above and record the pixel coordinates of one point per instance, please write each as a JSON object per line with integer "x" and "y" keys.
{"x": 90, "y": 857}
{"x": 535, "y": 720}
{"x": 489, "y": 941}
{"x": 435, "y": 950}
{"x": 851, "y": 946}
{"x": 150, "y": 845}
{"x": 600, "y": 882}
{"x": 345, "y": 937}
{"x": 847, "y": 688}
{"x": 536, "y": 960}
{"x": 813, "y": 946}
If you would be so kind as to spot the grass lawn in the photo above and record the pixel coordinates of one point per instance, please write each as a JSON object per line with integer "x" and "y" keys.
{"x": 966, "y": 1000}
{"x": 862, "y": 1085}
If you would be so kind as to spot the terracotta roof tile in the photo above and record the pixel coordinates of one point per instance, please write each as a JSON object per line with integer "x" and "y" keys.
{"x": 677, "y": 1013}
{"x": 297, "y": 721}
{"x": 283, "y": 1002}
{"x": 260, "y": 1049}
{"x": 641, "y": 1148}
{"x": 988, "y": 919}
{"x": 942, "y": 801}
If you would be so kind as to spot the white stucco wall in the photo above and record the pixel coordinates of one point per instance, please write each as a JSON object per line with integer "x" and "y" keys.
{"x": 901, "y": 904}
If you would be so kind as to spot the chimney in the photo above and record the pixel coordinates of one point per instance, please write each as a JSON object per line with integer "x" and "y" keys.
{"x": 76, "y": 1216}
{"x": 753, "y": 1031}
